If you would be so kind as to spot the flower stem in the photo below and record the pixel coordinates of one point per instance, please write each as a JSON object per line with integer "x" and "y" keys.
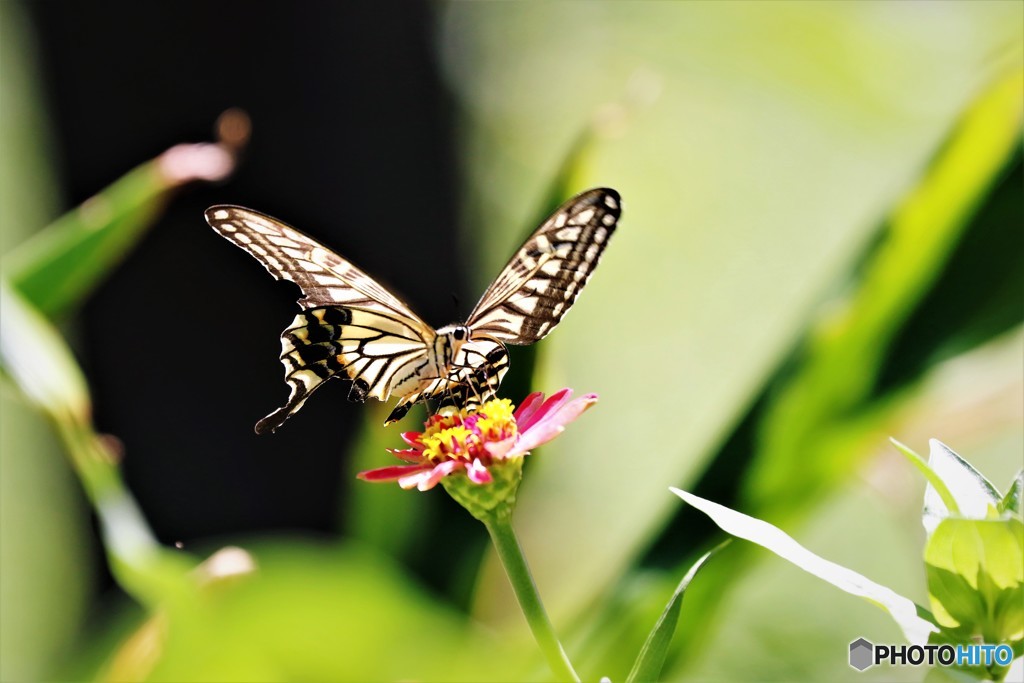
{"x": 512, "y": 558}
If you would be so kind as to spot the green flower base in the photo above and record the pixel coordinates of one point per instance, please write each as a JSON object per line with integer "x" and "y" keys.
{"x": 488, "y": 501}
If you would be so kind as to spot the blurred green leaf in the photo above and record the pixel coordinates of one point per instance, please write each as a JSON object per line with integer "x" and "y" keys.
{"x": 46, "y": 566}
{"x": 807, "y": 430}
{"x": 311, "y": 612}
{"x": 382, "y": 515}
{"x": 649, "y": 662}
{"x": 977, "y": 294}
{"x": 52, "y": 272}
{"x": 903, "y": 611}
{"x": 61, "y": 265}
{"x": 35, "y": 358}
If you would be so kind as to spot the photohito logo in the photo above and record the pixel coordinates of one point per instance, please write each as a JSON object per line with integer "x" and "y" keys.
{"x": 864, "y": 654}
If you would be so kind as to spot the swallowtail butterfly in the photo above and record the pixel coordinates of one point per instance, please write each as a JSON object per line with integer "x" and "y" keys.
{"x": 352, "y": 327}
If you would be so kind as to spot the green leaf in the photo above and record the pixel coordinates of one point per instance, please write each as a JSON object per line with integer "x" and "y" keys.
{"x": 902, "y": 610}
{"x": 651, "y": 659}
{"x": 934, "y": 480}
{"x": 59, "y": 266}
{"x": 975, "y": 575}
{"x": 1011, "y": 502}
{"x": 36, "y": 359}
{"x": 975, "y": 496}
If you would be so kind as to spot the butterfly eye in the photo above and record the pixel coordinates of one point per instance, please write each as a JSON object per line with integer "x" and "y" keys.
{"x": 460, "y": 333}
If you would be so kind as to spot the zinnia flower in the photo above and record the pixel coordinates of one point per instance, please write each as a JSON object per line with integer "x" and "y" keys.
{"x": 465, "y": 450}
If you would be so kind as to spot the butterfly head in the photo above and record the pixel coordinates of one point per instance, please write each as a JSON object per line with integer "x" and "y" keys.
{"x": 447, "y": 345}
{"x": 454, "y": 335}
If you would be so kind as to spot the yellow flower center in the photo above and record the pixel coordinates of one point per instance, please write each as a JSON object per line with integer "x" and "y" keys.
{"x": 461, "y": 434}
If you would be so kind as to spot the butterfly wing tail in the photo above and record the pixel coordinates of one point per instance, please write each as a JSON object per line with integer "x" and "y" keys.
{"x": 401, "y": 410}
{"x": 270, "y": 423}
{"x": 311, "y": 351}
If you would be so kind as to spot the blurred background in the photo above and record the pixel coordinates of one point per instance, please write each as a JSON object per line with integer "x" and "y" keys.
{"x": 820, "y": 248}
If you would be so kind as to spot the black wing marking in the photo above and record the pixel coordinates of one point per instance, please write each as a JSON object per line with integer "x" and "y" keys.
{"x": 375, "y": 351}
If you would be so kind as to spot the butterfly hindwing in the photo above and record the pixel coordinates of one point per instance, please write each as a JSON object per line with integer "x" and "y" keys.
{"x": 376, "y": 352}
{"x": 541, "y": 282}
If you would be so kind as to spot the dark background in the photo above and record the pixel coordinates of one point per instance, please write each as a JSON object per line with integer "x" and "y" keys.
{"x": 352, "y": 143}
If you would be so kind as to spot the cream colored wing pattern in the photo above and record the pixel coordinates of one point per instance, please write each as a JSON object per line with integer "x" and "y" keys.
{"x": 539, "y": 285}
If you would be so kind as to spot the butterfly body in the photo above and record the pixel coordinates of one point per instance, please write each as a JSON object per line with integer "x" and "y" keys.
{"x": 352, "y": 327}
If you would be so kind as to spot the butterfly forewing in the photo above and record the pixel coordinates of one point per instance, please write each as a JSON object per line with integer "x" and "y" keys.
{"x": 324, "y": 277}
{"x": 541, "y": 282}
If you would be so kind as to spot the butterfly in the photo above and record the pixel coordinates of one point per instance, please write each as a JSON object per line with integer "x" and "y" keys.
{"x": 352, "y": 327}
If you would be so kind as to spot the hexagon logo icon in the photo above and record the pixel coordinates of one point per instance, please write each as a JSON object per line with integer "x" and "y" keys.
{"x": 861, "y": 654}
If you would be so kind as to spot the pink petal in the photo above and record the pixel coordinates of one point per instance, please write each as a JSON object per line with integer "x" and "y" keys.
{"x": 438, "y": 473}
{"x": 552, "y": 404}
{"x": 407, "y": 454}
{"x": 537, "y": 436}
{"x": 552, "y": 424}
{"x": 574, "y": 409}
{"x": 477, "y": 473}
{"x": 414, "y": 480}
{"x": 390, "y": 473}
{"x": 500, "y": 449}
{"x": 413, "y": 439}
{"x": 528, "y": 407}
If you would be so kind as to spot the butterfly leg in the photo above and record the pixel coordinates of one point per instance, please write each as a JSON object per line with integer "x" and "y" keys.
{"x": 477, "y": 380}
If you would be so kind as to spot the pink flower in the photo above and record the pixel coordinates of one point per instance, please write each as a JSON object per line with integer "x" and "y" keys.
{"x": 478, "y": 443}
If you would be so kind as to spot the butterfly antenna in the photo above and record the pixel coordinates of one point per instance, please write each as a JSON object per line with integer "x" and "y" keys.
{"x": 456, "y": 306}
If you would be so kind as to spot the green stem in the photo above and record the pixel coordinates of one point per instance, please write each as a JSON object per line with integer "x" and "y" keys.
{"x": 512, "y": 558}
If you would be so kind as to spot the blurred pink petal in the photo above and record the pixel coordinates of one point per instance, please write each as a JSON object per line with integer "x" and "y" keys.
{"x": 202, "y": 161}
